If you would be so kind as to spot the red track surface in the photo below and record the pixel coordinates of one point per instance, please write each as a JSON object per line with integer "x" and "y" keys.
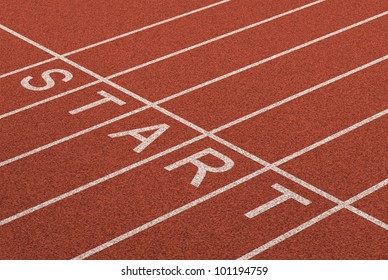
{"x": 264, "y": 129}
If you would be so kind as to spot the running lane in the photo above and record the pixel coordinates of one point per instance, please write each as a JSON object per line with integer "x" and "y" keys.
{"x": 348, "y": 165}
{"x": 342, "y": 236}
{"x": 61, "y": 117}
{"x": 67, "y": 25}
{"x": 16, "y": 53}
{"x": 290, "y": 127}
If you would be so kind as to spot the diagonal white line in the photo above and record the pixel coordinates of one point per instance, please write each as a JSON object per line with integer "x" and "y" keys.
{"x": 367, "y": 216}
{"x": 332, "y": 137}
{"x": 299, "y": 94}
{"x": 170, "y": 214}
{"x": 309, "y": 223}
{"x": 161, "y": 58}
{"x": 27, "y": 67}
{"x": 146, "y": 27}
{"x": 32, "y": 105}
{"x": 300, "y": 181}
{"x": 213, "y": 39}
{"x": 72, "y": 136}
{"x": 98, "y": 181}
{"x": 367, "y": 192}
{"x": 336, "y": 200}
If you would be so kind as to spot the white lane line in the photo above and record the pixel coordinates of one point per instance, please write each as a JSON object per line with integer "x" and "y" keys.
{"x": 309, "y": 223}
{"x": 214, "y": 39}
{"x": 72, "y": 136}
{"x": 27, "y": 67}
{"x": 117, "y": 37}
{"x": 200, "y": 200}
{"x": 331, "y": 137}
{"x": 165, "y": 57}
{"x": 98, "y": 181}
{"x": 250, "y": 66}
{"x": 32, "y": 105}
{"x": 299, "y": 94}
{"x": 155, "y": 106}
{"x": 147, "y": 27}
{"x": 367, "y": 217}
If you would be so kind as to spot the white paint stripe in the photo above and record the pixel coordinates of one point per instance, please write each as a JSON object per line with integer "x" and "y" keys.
{"x": 72, "y": 136}
{"x": 223, "y": 36}
{"x": 292, "y": 232}
{"x": 27, "y": 67}
{"x": 331, "y": 137}
{"x": 336, "y": 200}
{"x": 147, "y": 27}
{"x": 308, "y": 224}
{"x": 230, "y": 74}
{"x": 299, "y": 94}
{"x": 296, "y": 180}
{"x": 368, "y": 191}
{"x": 10, "y": 113}
{"x": 367, "y": 217}
{"x": 96, "y": 182}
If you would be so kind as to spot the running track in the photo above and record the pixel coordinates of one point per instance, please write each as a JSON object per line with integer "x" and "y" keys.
{"x": 235, "y": 129}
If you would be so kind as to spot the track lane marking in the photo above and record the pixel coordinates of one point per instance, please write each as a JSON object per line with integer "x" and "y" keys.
{"x": 157, "y": 60}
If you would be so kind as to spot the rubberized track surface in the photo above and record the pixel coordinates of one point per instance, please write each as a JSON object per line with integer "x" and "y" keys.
{"x": 237, "y": 129}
